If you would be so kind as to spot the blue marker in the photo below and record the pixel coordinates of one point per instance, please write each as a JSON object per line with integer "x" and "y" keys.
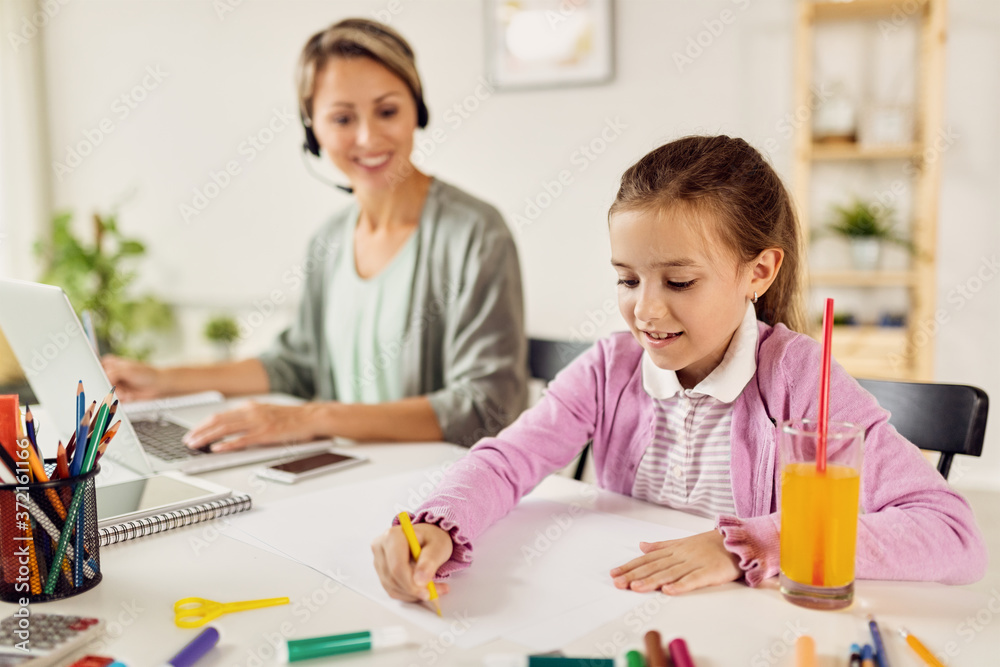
{"x": 293, "y": 650}
{"x": 881, "y": 659}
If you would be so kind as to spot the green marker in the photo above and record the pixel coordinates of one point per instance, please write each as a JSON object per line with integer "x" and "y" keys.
{"x": 293, "y": 650}
{"x": 635, "y": 659}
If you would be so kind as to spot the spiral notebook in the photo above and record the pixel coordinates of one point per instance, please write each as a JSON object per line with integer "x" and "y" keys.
{"x": 158, "y": 523}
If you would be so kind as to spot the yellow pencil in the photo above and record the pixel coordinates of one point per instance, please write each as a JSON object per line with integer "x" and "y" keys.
{"x": 920, "y": 649}
{"x": 411, "y": 538}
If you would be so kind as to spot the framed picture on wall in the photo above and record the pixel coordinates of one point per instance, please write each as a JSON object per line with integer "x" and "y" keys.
{"x": 548, "y": 43}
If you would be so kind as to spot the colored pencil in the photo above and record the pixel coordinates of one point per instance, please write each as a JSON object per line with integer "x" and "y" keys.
{"x": 919, "y": 648}
{"x": 82, "y": 433}
{"x": 35, "y": 577}
{"x": 62, "y": 465}
{"x": 411, "y": 538}
{"x": 881, "y": 659}
{"x": 32, "y": 432}
{"x": 49, "y": 526}
{"x": 106, "y": 440}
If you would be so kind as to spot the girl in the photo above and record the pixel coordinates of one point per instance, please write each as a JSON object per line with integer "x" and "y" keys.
{"x": 683, "y": 409}
{"x": 411, "y": 323}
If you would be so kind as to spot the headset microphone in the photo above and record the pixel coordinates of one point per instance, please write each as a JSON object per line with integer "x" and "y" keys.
{"x": 311, "y": 146}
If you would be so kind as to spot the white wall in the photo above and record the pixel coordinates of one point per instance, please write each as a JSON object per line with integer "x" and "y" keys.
{"x": 225, "y": 75}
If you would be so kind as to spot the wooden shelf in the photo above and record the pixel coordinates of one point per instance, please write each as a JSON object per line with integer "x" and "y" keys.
{"x": 874, "y": 351}
{"x": 854, "y": 151}
{"x": 861, "y": 9}
{"x": 871, "y": 351}
{"x": 864, "y": 278}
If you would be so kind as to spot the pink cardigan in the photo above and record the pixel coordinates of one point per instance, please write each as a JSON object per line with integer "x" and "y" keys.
{"x": 913, "y": 526}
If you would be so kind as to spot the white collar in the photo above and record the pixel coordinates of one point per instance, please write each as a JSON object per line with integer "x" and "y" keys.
{"x": 725, "y": 382}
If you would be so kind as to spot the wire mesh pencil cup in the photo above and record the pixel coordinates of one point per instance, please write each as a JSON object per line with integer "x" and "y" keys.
{"x": 33, "y": 519}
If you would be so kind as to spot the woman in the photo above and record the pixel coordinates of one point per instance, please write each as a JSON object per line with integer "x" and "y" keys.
{"x": 411, "y": 322}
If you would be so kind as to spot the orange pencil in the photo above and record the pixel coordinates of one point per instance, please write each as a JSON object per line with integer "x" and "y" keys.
{"x": 919, "y": 648}
{"x": 35, "y": 577}
{"x": 62, "y": 463}
{"x": 39, "y": 472}
{"x": 106, "y": 440}
{"x": 62, "y": 471}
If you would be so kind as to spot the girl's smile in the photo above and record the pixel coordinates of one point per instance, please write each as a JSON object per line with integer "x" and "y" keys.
{"x": 682, "y": 293}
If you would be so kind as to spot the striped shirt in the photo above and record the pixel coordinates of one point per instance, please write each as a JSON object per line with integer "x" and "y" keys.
{"x": 686, "y": 466}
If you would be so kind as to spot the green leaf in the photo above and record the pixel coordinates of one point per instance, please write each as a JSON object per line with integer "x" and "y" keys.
{"x": 100, "y": 280}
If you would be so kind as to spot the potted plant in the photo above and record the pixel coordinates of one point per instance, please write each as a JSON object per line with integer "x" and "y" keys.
{"x": 97, "y": 278}
{"x": 222, "y": 331}
{"x": 866, "y": 227}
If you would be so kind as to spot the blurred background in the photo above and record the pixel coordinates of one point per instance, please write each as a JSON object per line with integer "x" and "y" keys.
{"x": 169, "y": 129}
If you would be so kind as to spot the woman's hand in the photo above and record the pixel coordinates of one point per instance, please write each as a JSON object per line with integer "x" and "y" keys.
{"x": 404, "y": 580}
{"x": 133, "y": 380}
{"x": 679, "y": 566}
{"x": 256, "y": 424}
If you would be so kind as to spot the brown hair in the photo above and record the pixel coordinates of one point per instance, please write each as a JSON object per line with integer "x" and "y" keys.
{"x": 729, "y": 178}
{"x": 358, "y": 38}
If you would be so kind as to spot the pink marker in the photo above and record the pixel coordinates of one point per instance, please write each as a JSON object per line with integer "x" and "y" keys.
{"x": 679, "y": 653}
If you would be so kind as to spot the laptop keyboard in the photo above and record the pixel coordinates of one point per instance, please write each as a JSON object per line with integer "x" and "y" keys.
{"x": 163, "y": 439}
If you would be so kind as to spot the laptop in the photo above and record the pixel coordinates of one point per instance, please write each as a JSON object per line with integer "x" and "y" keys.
{"x": 54, "y": 352}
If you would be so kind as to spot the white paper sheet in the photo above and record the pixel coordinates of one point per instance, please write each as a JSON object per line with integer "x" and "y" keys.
{"x": 532, "y": 571}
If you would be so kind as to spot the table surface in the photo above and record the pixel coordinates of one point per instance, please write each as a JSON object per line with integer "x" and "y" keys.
{"x": 724, "y": 625}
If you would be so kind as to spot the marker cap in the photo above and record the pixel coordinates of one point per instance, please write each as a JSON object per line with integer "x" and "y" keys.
{"x": 389, "y": 636}
{"x": 505, "y": 660}
{"x": 194, "y": 651}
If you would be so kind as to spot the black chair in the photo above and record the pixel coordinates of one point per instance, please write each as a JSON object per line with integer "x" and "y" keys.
{"x": 946, "y": 418}
{"x": 548, "y": 357}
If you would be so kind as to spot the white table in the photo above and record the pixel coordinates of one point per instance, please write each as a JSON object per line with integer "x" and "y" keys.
{"x": 725, "y": 625}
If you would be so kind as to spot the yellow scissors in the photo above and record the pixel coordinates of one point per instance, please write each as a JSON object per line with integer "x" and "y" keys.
{"x": 196, "y": 612}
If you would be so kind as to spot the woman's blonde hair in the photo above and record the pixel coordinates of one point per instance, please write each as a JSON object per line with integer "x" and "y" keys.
{"x": 729, "y": 179}
{"x": 358, "y": 38}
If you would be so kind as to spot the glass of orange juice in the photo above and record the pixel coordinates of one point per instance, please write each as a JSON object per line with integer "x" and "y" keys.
{"x": 819, "y": 513}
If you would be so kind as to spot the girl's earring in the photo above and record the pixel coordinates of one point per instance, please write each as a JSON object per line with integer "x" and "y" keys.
{"x": 755, "y": 297}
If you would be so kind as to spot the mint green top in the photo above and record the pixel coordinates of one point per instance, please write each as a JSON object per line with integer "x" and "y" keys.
{"x": 365, "y": 327}
{"x": 464, "y": 345}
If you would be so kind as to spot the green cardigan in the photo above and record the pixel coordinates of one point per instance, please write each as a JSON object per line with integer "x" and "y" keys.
{"x": 464, "y": 345}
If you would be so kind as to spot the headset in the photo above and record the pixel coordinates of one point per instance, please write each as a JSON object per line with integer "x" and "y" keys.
{"x": 311, "y": 146}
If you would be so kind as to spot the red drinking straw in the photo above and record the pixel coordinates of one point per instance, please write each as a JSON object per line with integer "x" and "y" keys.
{"x": 824, "y": 388}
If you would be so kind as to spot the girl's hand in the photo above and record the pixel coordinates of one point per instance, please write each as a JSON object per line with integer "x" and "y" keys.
{"x": 679, "y": 566}
{"x": 255, "y": 424}
{"x": 402, "y": 579}
{"x": 133, "y": 380}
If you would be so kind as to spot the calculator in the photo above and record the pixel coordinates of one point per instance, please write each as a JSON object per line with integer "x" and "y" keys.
{"x": 50, "y": 638}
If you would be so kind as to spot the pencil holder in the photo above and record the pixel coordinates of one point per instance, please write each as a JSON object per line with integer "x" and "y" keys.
{"x": 37, "y": 523}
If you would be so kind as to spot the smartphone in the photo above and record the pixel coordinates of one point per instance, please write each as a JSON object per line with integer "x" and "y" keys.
{"x": 290, "y": 471}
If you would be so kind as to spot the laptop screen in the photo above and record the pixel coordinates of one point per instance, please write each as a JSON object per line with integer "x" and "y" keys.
{"x": 53, "y": 352}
